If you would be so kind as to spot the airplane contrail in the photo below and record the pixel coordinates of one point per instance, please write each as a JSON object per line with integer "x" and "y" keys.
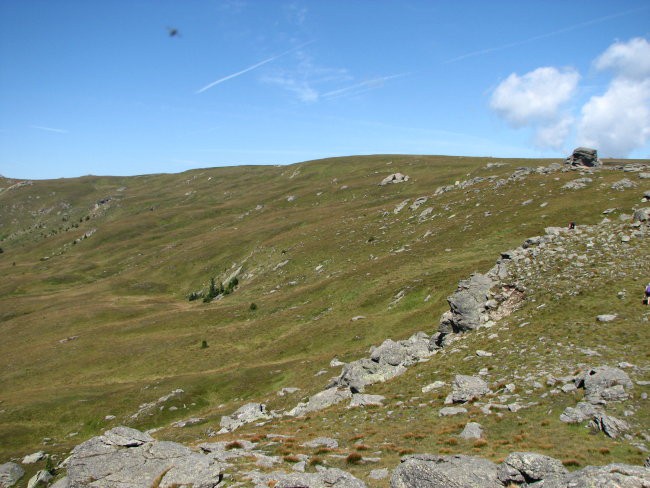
{"x": 250, "y": 68}
{"x": 544, "y": 36}
{"x": 49, "y": 129}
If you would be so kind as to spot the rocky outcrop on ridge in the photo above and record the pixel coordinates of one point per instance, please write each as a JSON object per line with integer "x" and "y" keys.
{"x": 518, "y": 469}
{"x": 584, "y": 156}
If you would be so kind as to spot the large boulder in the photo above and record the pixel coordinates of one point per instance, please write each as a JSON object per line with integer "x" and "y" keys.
{"x": 604, "y": 383}
{"x": 320, "y": 400}
{"x": 323, "y": 478}
{"x": 584, "y": 156}
{"x": 394, "y": 178}
{"x": 467, "y": 305}
{"x": 245, "y": 414}
{"x": 10, "y": 473}
{"x": 642, "y": 215}
{"x": 467, "y": 388}
{"x": 529, "y": 467}
{"x": 127, "y": 457}
{"x": 612, "y": 475}
{"x": 459, "y": 471}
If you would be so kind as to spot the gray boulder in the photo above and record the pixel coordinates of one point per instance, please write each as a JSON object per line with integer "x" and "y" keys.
{"x": 529, "y": 467}
{"x": 323, "y": 478}
{"x": 610, "y": 426}
{"x": 41, "y": 478}
{"x": 584, "y": 156}
{"x": 468, "y": 388}
{"x": 581, "y": 412}
{"x": 460, "y": 471}
{"x": 623, "y": 184}
{"x": 33, "y": 458}
{"x": 363, "y": 400}
{"x": 126, "y": 457}
{"x": 577, "y": 184}
{"x": 472, "y": 430}
{"x": 357, "y": 374}
{"x": 394, "y": 178}
{"x": 320, "y": 400}
{"x": 10, "y": 473}
{"x": 612, "y": 475}
{"x": 322, "y": 442}
{"x": 246, "y": 414}
{"x": 449, "y": 411}
{"x": 605, "y": 383}
{"x": 467, "y": 304}
{"x": 642, "y": 215}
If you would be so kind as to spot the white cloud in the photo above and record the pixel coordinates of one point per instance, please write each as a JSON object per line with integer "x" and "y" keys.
{"x": 627, "y": 59}
{"x": 534, "y": 97}
{"x": 618, "y": 121}
{"x": 553, "y": 136}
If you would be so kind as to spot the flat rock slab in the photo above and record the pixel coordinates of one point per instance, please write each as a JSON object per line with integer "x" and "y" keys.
{"x": 10, "y": 473}
{"x": 127, "y": 457}
{"x": 460, "y": 471}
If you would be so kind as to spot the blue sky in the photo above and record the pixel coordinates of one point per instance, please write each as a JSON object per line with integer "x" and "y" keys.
{"x": 100, "y": 87}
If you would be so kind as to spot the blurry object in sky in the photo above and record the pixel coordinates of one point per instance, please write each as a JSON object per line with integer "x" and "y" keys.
{"x": 173, "y": 32}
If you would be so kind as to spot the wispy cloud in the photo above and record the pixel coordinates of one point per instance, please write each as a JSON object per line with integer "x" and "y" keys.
{"x": 546, "y": 35}
{"x": 250, "y": 68}
{"x": 49, "y": 129}
{"x": 362, "y": 86}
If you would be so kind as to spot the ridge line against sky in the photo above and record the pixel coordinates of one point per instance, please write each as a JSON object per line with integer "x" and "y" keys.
{"x": 308, "y": 79}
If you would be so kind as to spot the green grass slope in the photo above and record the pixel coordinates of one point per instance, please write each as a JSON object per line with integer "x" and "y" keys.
{"x": 95, "y": 320}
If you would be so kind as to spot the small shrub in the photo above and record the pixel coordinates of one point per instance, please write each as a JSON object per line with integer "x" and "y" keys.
{"x": 204, "y": 344}
{"x": 315, "y": 461}
{"x": 356, "y": 437}
{"x": 361, "y": 447}
{"x": 253, "y": 307}
{"x": 291, "y": 458}
{"x": 604, "y": 451}
{"x": 452, "y": 441}
{"x": 480, "y": 443}
{"x": 354, "y": 458}
{"x": 570, "y": 462}
{"x": 323, "y": 450}
{"x": 404, "y": 452}
{"x": 234, "y": 445}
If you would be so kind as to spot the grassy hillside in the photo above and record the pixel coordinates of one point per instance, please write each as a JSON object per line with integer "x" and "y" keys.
{"x": 95, "y": 318}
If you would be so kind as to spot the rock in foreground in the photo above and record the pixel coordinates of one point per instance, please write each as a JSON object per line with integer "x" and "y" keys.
{"x": 128, "y": 457}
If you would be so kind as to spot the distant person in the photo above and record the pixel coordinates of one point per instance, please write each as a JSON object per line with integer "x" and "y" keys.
{"x": 647, "y": 295}
{"x": 572, "y": 225}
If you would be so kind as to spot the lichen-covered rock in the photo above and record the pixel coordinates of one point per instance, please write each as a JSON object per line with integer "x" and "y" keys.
{"x": 467, "y": 304}
{"x": 460, "y": 471}
{"x": 320, "y": 400}
{"x": 472, "y": 430}
{"x": 245, "y": 414}
{"x": 612, "y": 475}
{"x": 581, "y": 412}
{"x": 610, "y": 426}
{"x": 127, "y": 457}
{"x": 394, "y": 178}
{"x": 323, "y": 478}
{"x": 529, "y": 467}
{"x": 10, "y": 473}
{"x": 605, "y": 383}
{"x": 584, "y": 156}
{"x": 468, "y": 388}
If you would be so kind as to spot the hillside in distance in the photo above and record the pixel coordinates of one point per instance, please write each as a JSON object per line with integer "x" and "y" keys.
{"x": 96, "y": 319}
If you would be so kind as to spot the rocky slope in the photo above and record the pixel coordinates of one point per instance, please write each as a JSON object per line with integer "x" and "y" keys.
{"x": 502, "y": 329}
